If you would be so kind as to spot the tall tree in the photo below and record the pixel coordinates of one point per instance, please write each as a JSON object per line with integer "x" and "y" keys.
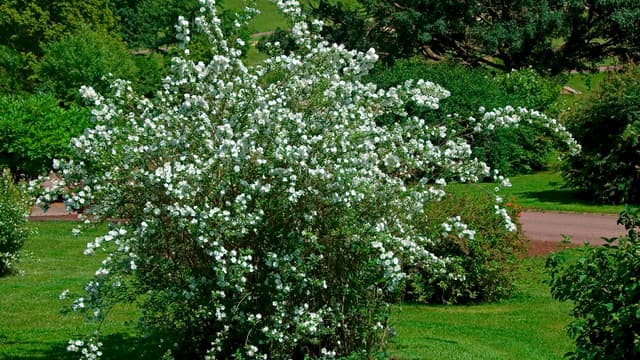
{"x": 25, "y": 25}
{"x": 503, "y": 33}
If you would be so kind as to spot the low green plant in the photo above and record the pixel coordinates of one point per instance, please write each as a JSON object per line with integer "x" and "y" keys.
{"x": 34, "y": 130}
{"x": 603, "y": 284}
{"x": 15, "y": 205}
{"x": 483, "y": 261}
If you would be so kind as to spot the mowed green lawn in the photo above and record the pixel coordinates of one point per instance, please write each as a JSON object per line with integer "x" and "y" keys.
{"x": 528, "y": 326}
{"x": 541, "y": 191}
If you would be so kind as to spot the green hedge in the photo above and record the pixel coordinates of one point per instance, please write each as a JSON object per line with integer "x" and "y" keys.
{"x": 602, "y": 284}
{"x": 609, "y": 131}
{"x": 34, "y": 130}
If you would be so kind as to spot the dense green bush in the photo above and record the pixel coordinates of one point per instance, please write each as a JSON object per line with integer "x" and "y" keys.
{"x": 603, "y": 284}
{"x": 483, "y": 260}
{"x": 34, "y": 130}
{"x": 513, "y": 151}
{"x": 82, "y": 58}
{"x": 609, "y": 131}
{"x": 151, "y": 68}
{"x": 15, "y": 206}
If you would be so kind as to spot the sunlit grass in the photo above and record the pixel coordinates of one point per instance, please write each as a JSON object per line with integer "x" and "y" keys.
{"x": 32, "y": 325}
{"x": 542, "y": 191}
{"x": 529, "y": 326}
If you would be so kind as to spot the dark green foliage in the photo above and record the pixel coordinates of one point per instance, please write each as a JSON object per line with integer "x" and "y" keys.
{"x": 82, "y": 58}
{"x": 283, "y": 37}
{"x": 15, "y": 205}
{"x": 151, "y": 68}
{"x": 609, "y": 131}
{"x": 603, "y": 284}
{"x": 488, "y": 263}
{"x": 14, "y": 70}
{"x": 26, "y": 25}
{"x": 512, "y": 151}
{"x": 150, "y": 23}
{"x": 34, "y": 130}
{"x": 504, "y": 33}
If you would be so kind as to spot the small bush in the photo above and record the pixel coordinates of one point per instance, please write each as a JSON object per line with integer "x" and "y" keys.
{"x": 602, "y": 282}
{"x": 512, "y": 151}
{"x": 14, "y": 210}
{"x": 529, "y": 89}
{"x": 484, "y": 260}
{"x": 34, "y": 130}
{"x": 609, "y": 131}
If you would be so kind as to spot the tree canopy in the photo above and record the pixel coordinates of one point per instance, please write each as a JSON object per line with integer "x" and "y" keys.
{"x": 27, "y": 25}
{"x": 546, "y": 34}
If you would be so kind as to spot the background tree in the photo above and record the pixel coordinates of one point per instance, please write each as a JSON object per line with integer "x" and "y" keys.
{"x": 505, "y": 33}
{"x": 82, "y": 58}
{"x": 26, "y": 26}
{"x": 609, "y": 131}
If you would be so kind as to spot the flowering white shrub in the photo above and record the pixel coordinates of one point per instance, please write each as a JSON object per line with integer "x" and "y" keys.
{"x": 261, "y": 212}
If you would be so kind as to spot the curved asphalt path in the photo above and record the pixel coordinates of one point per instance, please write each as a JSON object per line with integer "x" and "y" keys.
{"x": 583, "y": 228}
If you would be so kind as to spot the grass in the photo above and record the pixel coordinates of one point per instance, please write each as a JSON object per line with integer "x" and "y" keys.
{"x": 269, "y": 18}
{"x": 31, "y": 323}
{"x": 542, "y": 191}
{"x": 529, "y": 326}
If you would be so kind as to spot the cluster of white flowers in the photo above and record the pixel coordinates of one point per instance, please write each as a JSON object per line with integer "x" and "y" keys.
{"x": 252, "y": 195}
{"x": 510, "y": 117}
{"x": 455, "y": 224}
{"x": 87, "y": 349}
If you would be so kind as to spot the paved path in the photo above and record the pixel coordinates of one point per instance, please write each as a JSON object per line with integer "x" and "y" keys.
{"x": 57, "y": 211}
{"x": 550, "y": 226}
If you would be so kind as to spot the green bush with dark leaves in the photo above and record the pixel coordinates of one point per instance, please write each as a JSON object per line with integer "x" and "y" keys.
{"x": 512, "y": 151}
{"x": 608, "y": 129}
{"x": 15, "y": 205}
{"x": 604, "y": 285}
{"x": 34, "y": 130}
{"x": 484, "y": 263}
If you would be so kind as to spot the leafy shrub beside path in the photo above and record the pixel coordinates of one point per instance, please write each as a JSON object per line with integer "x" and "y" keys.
{"x": 483, "y": 254}
{"x": 604, "y": 285}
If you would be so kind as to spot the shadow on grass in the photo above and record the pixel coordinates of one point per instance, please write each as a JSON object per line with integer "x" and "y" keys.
{"x": 116, "y": 346}
{"x": 559, "y": 196}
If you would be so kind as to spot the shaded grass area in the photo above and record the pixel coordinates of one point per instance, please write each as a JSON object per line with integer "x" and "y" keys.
{"x": 542, "y": 191}
{"x": 31, "y": 323}
{"x": 528, "y": 326}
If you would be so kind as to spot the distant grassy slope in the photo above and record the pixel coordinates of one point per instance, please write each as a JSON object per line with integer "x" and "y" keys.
{"x": 269, "y": 18}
